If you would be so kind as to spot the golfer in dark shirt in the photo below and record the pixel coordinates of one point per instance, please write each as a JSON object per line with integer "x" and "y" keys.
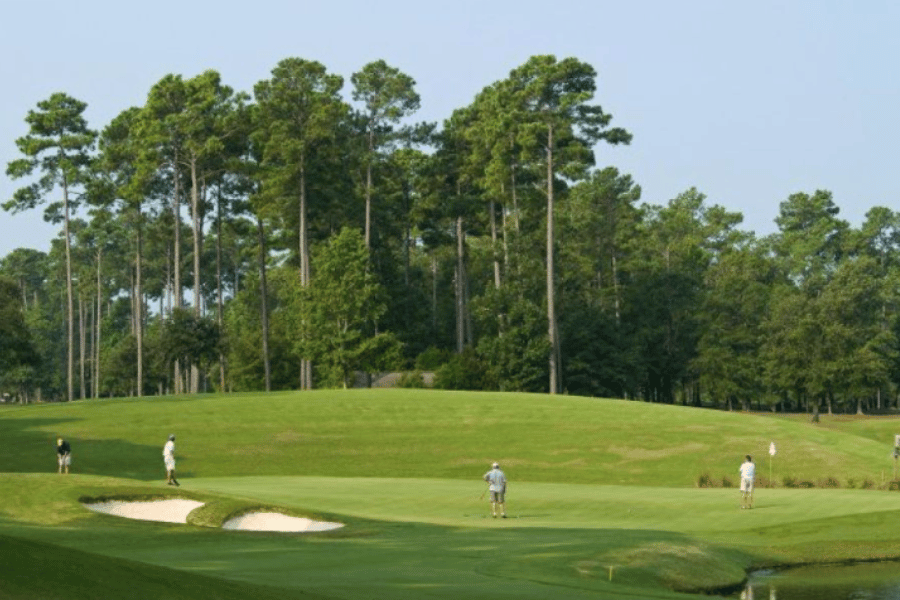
{"x": 63, "y": 455}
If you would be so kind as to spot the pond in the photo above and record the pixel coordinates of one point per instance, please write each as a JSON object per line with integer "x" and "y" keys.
{"x": 863, "y": 581}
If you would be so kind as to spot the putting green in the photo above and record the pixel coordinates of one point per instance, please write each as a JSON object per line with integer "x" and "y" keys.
{"x": 555, "y": 505}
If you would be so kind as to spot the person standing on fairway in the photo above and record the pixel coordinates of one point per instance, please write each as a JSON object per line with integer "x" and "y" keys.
{"x": 169, "y": 459}
{"x": 748, "y": 473}
{"x": 63, "y": 455}
{"x": 497, "y": 480}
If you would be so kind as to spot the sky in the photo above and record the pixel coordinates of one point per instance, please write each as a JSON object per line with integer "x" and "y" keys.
{"x": 747, "y": 102}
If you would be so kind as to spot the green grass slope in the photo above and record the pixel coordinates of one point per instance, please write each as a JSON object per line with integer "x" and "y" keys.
{"x": 601, "y": 495}
{"x": 42, "y": 571}
{"x": 415, "y": 433}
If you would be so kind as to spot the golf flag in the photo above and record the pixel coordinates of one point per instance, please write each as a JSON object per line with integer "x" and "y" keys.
{"x": 772, "y": 449}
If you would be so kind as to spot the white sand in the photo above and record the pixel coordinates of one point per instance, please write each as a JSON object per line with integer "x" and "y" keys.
{"x": 176, "y": 511}
{"x": 268, "y": 521}
{"x": 166, "y": 511}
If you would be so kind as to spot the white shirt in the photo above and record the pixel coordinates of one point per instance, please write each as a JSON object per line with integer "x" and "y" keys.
{"x": 169, "y": 450}
{"x": 748, "y": 470}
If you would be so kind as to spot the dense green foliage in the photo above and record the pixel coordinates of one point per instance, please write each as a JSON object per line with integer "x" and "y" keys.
{"x": 17, "y": 353}
{"x": 498, "y": 242}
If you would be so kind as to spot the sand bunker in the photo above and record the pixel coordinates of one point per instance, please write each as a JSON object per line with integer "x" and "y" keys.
{"x": 176, "y": 511}
{"x": 166, "y": 511}
{"x": 269, "y": 521}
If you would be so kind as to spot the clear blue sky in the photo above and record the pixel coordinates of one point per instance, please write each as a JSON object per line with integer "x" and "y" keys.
{"x": 749, "y": 102}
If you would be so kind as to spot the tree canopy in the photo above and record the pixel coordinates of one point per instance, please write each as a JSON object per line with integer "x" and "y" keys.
{"x": 298, "y": 235}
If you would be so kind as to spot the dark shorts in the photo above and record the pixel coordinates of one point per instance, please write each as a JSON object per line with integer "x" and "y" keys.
{"x": 498, "y": 497}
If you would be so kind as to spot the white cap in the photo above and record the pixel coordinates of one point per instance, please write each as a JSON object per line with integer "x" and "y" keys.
{"x": 496, "y": 465}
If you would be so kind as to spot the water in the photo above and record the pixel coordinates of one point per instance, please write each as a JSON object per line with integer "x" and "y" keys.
{"x": 864, "y": 581}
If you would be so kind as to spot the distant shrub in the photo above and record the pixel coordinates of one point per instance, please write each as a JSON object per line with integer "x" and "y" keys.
{"x": 851, "y": 483}
{"x": 806, "y": 484}
{"x": 432, "y": 358}
{"x": 705, "y": 480}
{"x": 411, "y": 379}
{"x": 764, "y": 482}
{"x": 726, "y": 483}
{"x": 867, "y": 484}
{"x": 829, "y": 482}
{"x": 894, "y": 485}
{"x": 462, "y": 372}
{"x": 789, "y": 482}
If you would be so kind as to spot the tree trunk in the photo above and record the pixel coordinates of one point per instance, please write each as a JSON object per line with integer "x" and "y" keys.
{"x": 460, "y": 286}
{"x": 82, "y": 347}
{"x": 305, "y": 363}
{"x": 139, "y": 308}
{"x": 434, "y": 282}
{"x": 176, "y": 263}
{"x": 407, "y": 233}
{"x": 514, "y": 190}
{"x": 70, "y": 303}
{"x": 493, "y": 210}
{"x": 616, "y": 292}
{"x": 98, "y": 339}
{"x": 551, "y": 276}
{"x": 504, "y": 226}
{"x": 264, "y": 303}
{"x": 219, "y": 299}
{"x": 198, "y": 248}
{"x": 369, "y": 189}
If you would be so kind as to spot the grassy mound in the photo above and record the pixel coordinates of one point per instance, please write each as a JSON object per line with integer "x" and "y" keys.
{"x": 418, "y": 433}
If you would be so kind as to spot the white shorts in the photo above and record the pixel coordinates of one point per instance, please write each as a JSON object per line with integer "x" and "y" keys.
{"x": 64, "y": 460}
{"x": 746, "y": 484}
{"x": 170, "y": 463}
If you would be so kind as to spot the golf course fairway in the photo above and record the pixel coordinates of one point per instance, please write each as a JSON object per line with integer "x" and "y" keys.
{"x": 603, "y": 499}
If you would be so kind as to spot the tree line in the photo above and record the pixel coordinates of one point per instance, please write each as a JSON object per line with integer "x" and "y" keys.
{"x": 215, "y": 239}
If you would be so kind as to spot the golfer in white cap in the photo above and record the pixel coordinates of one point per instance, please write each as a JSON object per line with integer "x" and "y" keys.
{"x": 497, "y": 480}
{"x": 169, "y": 459}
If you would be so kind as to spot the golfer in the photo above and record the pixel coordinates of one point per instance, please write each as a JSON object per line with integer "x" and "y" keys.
{"x": 169, "y": 459}
{"x": 63, "y": 455}
{"x": 497, "y": 480}
{"x": 748, "y": 473}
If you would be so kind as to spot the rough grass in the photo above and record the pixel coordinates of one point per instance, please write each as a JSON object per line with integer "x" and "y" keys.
{"x": 602, "y": 494}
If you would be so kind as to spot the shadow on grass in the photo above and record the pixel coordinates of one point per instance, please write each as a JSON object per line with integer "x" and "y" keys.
{"x": 39, "y": 573}
{"x": 30, "y": 447}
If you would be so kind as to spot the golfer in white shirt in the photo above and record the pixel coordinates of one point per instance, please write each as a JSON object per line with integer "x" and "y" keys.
{"x": 748, "y": 473}
{"x": 169, "y": 459}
